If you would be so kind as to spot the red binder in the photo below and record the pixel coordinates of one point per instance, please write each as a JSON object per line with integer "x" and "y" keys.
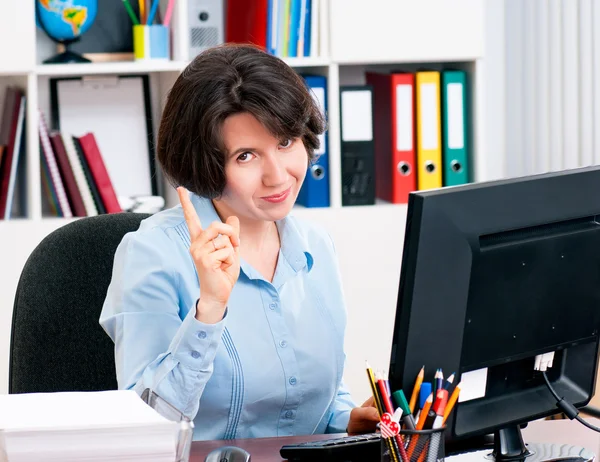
{"x": 395, "y": 151}
{"x": 246, "y": 22}
{"x": 96, "y": 165}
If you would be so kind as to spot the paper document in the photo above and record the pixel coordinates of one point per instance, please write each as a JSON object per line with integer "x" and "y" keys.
{"x": 105, "y": 425}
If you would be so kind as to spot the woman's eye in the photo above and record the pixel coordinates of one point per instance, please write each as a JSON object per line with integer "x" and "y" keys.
{"x": 244, "y": 157}
{"x": 286, "y": 144}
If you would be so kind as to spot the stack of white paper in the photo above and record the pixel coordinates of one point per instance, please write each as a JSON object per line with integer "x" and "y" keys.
{"x": 84, "y": 426}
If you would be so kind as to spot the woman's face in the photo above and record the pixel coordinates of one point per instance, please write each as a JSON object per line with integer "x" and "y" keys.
{"x": 264, "y": 174}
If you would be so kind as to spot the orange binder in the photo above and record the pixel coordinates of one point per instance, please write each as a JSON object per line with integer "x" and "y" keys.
{"x": 395, "y": 167}
{"x": 429, "y": 130}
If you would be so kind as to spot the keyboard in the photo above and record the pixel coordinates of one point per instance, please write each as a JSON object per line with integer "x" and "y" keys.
{"x": 345, "y": 449}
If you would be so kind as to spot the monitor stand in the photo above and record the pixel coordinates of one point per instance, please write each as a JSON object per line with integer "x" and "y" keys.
{"x": 508, "y": 446}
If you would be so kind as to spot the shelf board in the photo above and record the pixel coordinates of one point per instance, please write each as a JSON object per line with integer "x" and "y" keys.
{"x": 307, "y": 62}
{"x": 14, "y": 72}
{"x": 135, "y": 67}
{"x": 374, "y": 61}
{"x": 120, "y": 67}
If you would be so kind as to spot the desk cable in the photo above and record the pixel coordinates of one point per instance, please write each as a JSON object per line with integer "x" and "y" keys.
{"x": 570, "y": 411}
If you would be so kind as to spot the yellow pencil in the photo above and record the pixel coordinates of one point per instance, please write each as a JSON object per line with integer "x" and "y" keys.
{"x": 380, "y": 410}
{"x": 378, "y": 403}
{"x": 415, "y": 393}
{"x": 451, "y": 402}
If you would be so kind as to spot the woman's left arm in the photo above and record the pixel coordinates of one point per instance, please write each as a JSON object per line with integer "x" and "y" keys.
{"x": 340, "y": 411}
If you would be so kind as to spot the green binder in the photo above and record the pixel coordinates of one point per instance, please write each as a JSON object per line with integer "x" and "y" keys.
{"x": 455, "y": 139}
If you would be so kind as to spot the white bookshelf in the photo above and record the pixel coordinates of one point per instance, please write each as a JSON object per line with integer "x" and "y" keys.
{"x": 355, "y": 36}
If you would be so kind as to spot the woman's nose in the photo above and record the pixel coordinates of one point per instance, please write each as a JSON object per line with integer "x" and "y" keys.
{"x": 274, "y": 173}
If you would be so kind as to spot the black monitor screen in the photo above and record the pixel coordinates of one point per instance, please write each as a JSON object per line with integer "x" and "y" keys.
{"x": 492, "y": 275}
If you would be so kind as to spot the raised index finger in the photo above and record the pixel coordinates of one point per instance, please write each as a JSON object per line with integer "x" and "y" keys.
{"x": 191, "y": 217}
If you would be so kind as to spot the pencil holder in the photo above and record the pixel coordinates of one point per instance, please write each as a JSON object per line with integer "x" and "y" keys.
{"x": 414, "y": 446}
{"x": 151, "y": 42}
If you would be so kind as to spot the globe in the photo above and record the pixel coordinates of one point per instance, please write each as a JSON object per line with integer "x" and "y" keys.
{"x": 64, "y": 21}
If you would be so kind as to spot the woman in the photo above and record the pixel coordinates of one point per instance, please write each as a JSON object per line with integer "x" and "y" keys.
{"x": 227, "y": 307}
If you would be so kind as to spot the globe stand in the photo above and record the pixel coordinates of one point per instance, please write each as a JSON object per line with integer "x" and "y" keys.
{"x": 67, "y": 56}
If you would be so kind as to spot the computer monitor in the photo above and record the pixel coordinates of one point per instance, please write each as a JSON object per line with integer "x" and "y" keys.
{"x": 493, "y": 274}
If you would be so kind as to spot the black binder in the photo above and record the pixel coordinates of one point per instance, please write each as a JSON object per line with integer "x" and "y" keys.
{"x": 357, "y": 145}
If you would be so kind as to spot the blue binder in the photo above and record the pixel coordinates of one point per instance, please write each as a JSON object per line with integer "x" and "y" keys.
{"x": 315, "y": 189}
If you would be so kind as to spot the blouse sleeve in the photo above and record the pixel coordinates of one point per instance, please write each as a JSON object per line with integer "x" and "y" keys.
{"x": 158, "y": 343}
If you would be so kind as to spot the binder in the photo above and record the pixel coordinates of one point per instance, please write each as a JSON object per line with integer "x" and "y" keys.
{"x": 429, "y": 146}
{"x": 294, "y": 34}
{"x": 272, "y": 26}
{"x": 454, "y": 128}
{"x": 395, "y": 168}
{"x": 304, "y": 32}
{"x": 284, "y": 27}
{"x": 357, "y": 145}
{"x": 315, "y": 189}
{"x": 246, "y": 22}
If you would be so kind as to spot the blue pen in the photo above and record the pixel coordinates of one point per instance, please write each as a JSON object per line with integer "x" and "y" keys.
{"x": 152, "y": 12}
{"x": 424, "y": 392}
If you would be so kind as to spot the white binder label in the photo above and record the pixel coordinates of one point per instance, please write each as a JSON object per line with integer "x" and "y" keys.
{"x": 357, "y": 113}
{"x": 429, "y": 116}
{"x": 455, "y": 116}
{"x": 404, "y": 118}
{"x": 319, "y": 96}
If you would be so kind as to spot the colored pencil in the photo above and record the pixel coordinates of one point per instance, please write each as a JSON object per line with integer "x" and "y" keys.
{"x": 130, "y": 12}
{"x": 142, "y": 5}
{"x": 451, "y": 402}
{"x": 168, "y": 13}
{"x": 152, "y": 13}
{"x": 415, "y": 393}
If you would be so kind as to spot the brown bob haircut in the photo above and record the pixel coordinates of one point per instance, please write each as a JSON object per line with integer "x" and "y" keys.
{"x": 219, "y": 82}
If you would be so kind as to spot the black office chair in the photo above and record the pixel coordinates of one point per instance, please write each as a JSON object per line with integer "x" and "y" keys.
{"x": 57, "y": 343}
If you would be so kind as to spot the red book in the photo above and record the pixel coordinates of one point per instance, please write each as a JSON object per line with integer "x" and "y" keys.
{"x": 246, "y": 22}
{"x": 66, "y": 172}
{"x": 101, "y": 177}
{"x": 394, "y": 133}
{"x": 16, "y": 96}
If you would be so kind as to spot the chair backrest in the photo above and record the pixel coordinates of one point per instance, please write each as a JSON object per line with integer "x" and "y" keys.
{"x": 57, "y": 343}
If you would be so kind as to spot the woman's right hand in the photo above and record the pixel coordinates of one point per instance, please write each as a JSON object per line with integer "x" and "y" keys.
{"x": 216, "y": 254}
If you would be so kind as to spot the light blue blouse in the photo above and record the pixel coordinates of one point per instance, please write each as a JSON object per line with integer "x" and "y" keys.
{"x": 272, "y": 367}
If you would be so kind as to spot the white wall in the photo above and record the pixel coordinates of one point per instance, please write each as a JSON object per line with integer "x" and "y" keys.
{"x": 369, "y": 244}
{"x": 552, "y": 84}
